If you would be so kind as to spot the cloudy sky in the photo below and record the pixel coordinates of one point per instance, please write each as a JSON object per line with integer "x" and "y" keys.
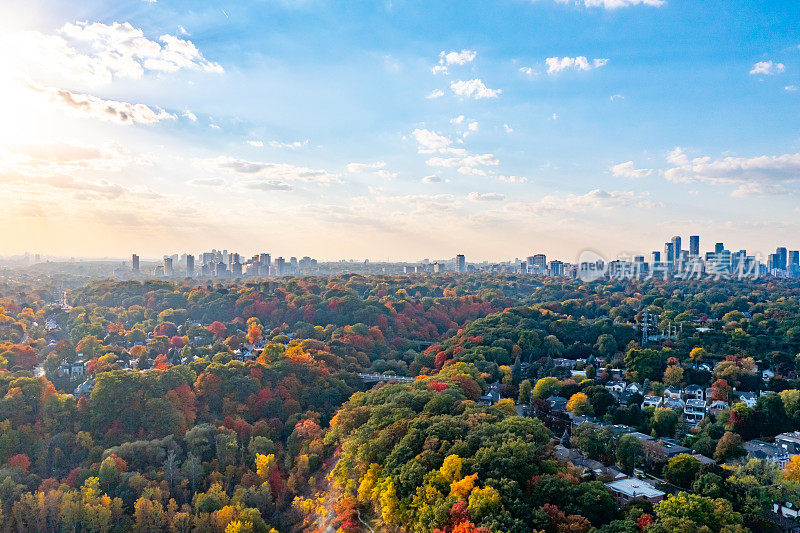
{"x": 397, "y": 129}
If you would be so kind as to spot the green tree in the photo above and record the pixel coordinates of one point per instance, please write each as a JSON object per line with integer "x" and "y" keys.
{"x": 682, "y": 470}
{"x": 630, "y": 453}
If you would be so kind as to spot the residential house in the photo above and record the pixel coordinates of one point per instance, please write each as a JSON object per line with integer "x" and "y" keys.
{"x": 634, "y": 387}
{"x": 716, "y": 406}
{"x": 672, "y": 447}
{"x": 616, "y": 386}
{"x": 748, "y": 398}
{"x": 705, "y": 367}
{"x": 790, "y": 442}
{"x": 651, "y": 400}
{"x": 673, "y": 392}
{"x": 694, "y": 411}
{"x": 773, "y": 453}
{"x": 673, "y": 403}
{"x": 694, "y": 392}
{"x": 557, "y": 403}
{"x": 628, "y": 489}
{"x": 767, "y": 374}
{"x": 566, "y": 363}
{"x": 703, "y": 459}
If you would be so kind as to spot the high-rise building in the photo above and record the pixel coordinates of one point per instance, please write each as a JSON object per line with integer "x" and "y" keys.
{"x": 669, "y": 253}
{"x": 135, "y": 263}
{"x": 236, "y": 269}
{"x": 169, "y": 271}
{"x": 719, "y": 248}
{"x": 556, "y": 268}
{"x": 280, "y": 266}
{"x": 461, "y": 264}
{"x": 656, "y": 255}
{"x": 676, "y": 249}
{"x": 694, "y": 246}
{"x": 190, "y": 265}
{"x": 782, "y": 256}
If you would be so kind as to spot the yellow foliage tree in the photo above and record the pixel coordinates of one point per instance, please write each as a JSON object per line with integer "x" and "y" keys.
{"x": 462, "y": 489}
{"x": 578, "y": 404}
{"x": 791, "y": 472}
{"x": 451, "y": 468}
{"x": 263, "y": 465}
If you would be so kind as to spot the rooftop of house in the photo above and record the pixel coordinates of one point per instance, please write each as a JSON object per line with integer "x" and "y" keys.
{"x": 635, "y": 488}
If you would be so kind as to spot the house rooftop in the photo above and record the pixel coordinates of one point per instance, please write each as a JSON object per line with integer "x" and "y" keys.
{"x": 635, "y": 488}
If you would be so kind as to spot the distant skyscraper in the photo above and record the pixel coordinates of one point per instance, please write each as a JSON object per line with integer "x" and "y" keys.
{"x": 719, "y": 248}
{"x": 135, "y": 263}
{"x": 190, "y": 266}
{"x": 694, "y": 246}
{"x": 794, "y": 258}
{"x": 782, "y": 256}
{"x": 669, "y": 252}
{"x": 461, "y": 264}
{"x": 280, "y": 266}
{"x": 656, "y": 256}
{"x": 676, "y": 249}
{"x": 168, "y": 269}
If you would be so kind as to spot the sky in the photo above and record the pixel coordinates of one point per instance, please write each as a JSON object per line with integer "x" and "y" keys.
{"x": 397, "y": 129}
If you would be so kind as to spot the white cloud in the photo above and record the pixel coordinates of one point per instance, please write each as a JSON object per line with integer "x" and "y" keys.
{"x": 431, "y": 179}
{"x": 614, "y": 4}
{"x": 628, "y": 170}
{"x": 513, "y": 179}
{"x": 429, "y": 141}
{"x": 790, "y": 88}
{"x": 268, "y": 174}
{"x": 213, "y": 126}
{"x": 615, "y": 97}
{"x": 473, "y": 89}
{"x": 86, "y": 105}
{"x": 207, "y": 182}
{"x": 554, "y": 116}
{"x": 453, "y": 58}
{"x": 767, "y": 68}
{"x": 191, "y": 116}
{"x": 63, "y": 157}
{"x": 560, "y": 64}
{"x": 257, "y": 144}
{"x": 296, "y": 145}
{"x": 365, "y": 167}
{"x": 436, "y": 93}
{"x": 508, "y": 128}
{"x": 97, "y": 53}
{"x": 385, "y": 174}
{"x": 527, "y": 71}
{"x": 468, "y": 164}
{"x": 593, "y": 200}
{"x": 473, "y": 126}
{"x": 486, "y": 197}
{"x": 457, "y": 120}
{"x": 760, "y": 175}
{"x": 182, "y": 30}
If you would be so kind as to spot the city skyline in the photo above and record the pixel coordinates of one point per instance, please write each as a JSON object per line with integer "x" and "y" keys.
{"x": 162, "y": 125}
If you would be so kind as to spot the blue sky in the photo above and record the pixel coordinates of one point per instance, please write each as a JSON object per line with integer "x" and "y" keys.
{"x": 309, "y": 127}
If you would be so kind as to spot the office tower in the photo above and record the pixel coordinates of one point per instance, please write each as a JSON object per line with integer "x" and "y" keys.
{"x": 190, "y": 266}
{"x": 265, "y": 260}
{"x": 676, "y": 249}
{"x": 220, "y": 270}
{"x": 719, "y": 248}
{"x": 540, "y": 261}
{"x": 135, "y": 263}
{"x": 781, "y": 253}
{"x": 280, "y": 266}
{"x": 168, "y": 270}
{"x": 461, "y": 264}
{"x": 793, "y": 258}
{"x": 556, "y": 268}
{"x": 236, "y": 269}
{"x": 669, "y": 253}
{"x": 656, "y": 255}
{"x": 694, "y": 246}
